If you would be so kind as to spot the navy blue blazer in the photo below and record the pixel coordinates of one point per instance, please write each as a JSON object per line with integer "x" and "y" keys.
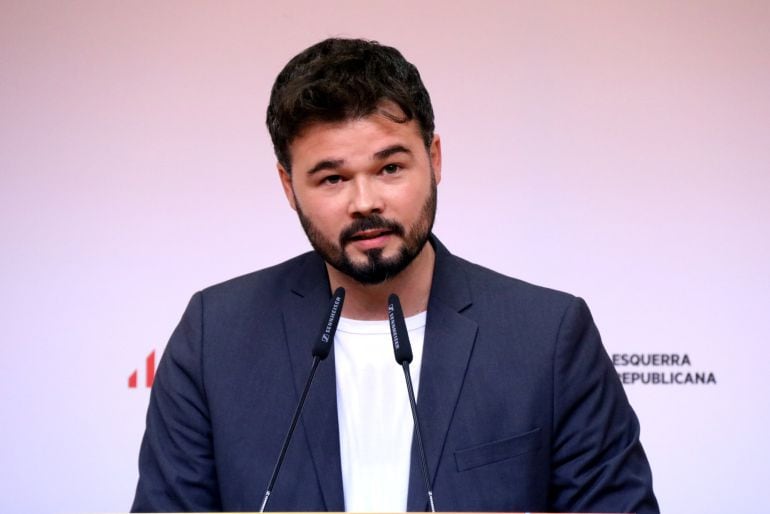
{"x": 520, "y": 406}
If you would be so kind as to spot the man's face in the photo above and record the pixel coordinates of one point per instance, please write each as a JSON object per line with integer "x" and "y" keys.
{"x": 365, "y": 193}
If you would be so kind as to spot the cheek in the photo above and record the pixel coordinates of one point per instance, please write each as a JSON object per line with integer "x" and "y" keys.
{"x": 325, "y": 216}
{"x": 409, "y": 200}
{"x": 329, "y": 225}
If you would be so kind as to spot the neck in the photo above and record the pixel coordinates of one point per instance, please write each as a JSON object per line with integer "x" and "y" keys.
{"x": 370, "y": 302}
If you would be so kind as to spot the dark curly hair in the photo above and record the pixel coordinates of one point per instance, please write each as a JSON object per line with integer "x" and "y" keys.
{"x": 339, "y": 79}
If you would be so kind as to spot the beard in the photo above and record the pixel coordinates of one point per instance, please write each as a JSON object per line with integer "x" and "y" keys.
{"x": 376, "y": 268}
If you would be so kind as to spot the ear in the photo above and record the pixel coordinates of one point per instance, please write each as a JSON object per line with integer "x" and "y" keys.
{"x": 288, "y": 190}
{"x": 435, "y": 157}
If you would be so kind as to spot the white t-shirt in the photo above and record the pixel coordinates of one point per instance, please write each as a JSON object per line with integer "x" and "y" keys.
{"x": 373, "y": 412}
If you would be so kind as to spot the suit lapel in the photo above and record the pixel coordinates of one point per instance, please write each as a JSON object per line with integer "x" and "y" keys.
{"x": 304, "y": 309}
{"x": 449, "y": 340}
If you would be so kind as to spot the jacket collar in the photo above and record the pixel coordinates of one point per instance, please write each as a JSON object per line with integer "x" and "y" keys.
{"x": 449, "y": 340}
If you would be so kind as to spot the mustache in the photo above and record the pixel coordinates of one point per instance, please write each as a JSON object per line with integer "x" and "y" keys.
{"x": 372, "y": 222}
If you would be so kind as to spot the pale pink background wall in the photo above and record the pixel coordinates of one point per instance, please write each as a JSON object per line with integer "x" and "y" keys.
{"x": 617, "y": 150}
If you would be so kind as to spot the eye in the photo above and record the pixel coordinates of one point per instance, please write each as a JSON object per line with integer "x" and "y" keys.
{"x": 332, "y": 179}
{"x": 390, "y": 169}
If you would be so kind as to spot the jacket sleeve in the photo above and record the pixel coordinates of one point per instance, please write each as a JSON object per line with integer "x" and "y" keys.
{"x": 598, "y": 463}
{"x": 176, "y": 461}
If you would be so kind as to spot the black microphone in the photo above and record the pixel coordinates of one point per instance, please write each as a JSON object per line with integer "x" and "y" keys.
{"x": 321, "y": 349}
{"x": 403, "y": 352}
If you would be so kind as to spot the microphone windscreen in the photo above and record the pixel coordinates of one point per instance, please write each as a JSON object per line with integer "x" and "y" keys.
{"x": 398, "y": 333}
{"x": 324, "y": 342}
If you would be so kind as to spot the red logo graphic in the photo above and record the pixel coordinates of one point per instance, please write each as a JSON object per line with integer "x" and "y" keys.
{"x": 149, "y": 378}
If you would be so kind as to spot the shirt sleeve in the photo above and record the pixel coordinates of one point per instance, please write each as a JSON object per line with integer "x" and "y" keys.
{"x": 176, "y": 462}
{"x": 598, "y": 463}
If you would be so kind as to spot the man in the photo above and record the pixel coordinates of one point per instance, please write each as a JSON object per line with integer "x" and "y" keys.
{"x": 520, "y": 407}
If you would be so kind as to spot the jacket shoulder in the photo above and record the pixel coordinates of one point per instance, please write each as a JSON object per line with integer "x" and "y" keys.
{"x": 491, "y": 287}
{"x": 262, "y": 286}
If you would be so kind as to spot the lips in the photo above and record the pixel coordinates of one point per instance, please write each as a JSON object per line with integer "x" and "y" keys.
{"x": 369, "y": 229}
{"x": 370, "y": 234}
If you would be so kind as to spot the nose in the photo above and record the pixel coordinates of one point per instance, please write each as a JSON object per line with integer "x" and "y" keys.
{"x": 366, "y": 198}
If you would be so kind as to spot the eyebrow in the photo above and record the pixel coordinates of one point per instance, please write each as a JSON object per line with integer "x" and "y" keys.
{"x": 335, "y": 164}
{"x": 391, "y": 150}
{"x": 326, "y": 164}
